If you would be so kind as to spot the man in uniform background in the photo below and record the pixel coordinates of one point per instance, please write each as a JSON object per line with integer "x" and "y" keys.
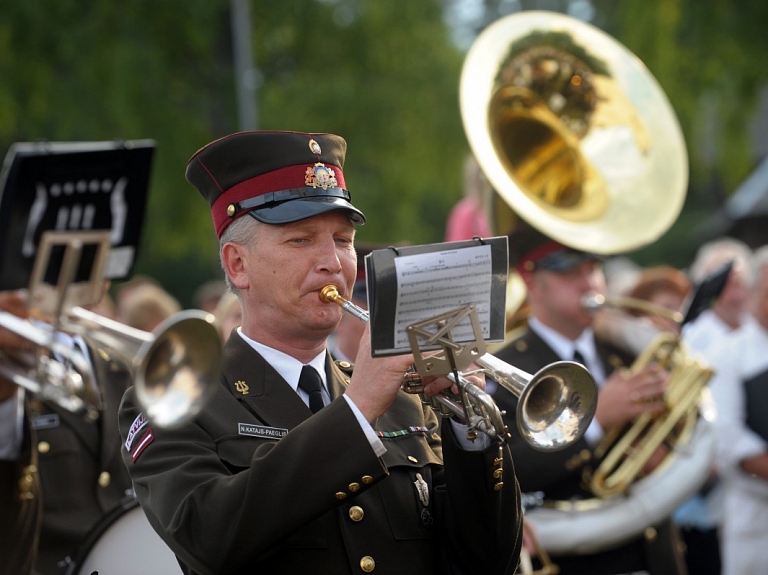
{"x": 559, "y": 328}
{"x": 297, "y": 465}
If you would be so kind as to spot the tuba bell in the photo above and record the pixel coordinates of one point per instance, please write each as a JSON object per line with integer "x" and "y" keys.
{"x": 578, "y": 140}
{"x": 573, "y": 133}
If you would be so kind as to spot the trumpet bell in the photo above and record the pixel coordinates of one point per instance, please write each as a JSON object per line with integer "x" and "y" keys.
{"x": 573, "y": 133}
{"x": 178, "y": 370}
{"x": 557, "y": 406}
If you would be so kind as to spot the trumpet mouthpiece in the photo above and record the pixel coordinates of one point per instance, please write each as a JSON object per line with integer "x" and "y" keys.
{"x": 330, "y": 294}
{"x": 593, "y": 301}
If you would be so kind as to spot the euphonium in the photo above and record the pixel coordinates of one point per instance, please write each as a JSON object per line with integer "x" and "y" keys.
{"x": 627, "y": 497}
{"x": 555, "y": 405}
{"x": 625, "y": 453}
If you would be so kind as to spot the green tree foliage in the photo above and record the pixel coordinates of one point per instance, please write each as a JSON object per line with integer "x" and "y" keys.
{"x": 382, "y": 74}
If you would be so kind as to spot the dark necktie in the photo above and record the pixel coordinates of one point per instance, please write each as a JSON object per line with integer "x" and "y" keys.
{"x": 311, "y": 383}
{"x": 578, "y": 358}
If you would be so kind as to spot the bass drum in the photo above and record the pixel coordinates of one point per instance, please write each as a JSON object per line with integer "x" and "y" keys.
{"x": 124, "y": 543}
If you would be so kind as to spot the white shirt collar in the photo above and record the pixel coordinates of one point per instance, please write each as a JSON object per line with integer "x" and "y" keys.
{"x": 565, "y": 347}
{"x": 288, "y": 367}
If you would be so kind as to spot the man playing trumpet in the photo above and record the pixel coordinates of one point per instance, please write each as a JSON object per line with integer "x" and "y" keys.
{"x": 298, "y": 463}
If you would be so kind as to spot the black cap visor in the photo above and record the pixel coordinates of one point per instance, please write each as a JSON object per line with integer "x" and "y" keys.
{"x": 564, "y": 260}
{"x": 298, "y": 204}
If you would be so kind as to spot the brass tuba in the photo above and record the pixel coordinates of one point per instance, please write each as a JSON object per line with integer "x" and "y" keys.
{"x": 573, "y": 133}
{"x": 578, "y": 140}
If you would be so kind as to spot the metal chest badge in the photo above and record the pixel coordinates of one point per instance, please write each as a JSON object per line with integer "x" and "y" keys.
{"x": 320, "y": 176}
{"x": 242, "y": 387}
{"x": 422, "y": 489}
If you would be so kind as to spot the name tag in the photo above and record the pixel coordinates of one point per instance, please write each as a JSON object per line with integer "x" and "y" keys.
{"x": 261, "y": 431}
{"x": 47, "y": 421}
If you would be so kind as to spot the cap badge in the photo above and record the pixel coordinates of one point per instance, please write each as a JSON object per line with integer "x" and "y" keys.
{"x": 320, "y": 177}
{"x": 314, "y": 147}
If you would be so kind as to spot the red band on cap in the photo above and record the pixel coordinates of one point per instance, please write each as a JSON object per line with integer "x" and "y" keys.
{"x": 528, "y": 261}
{"x": 286, "y": 178}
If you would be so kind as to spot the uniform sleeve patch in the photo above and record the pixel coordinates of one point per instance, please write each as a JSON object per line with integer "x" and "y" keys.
{"x": 138, "y": 424}
{"x": 145, "y": 440}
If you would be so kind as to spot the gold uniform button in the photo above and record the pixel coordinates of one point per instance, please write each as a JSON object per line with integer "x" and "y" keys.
{"x": 341, "y": 495}
{"x": 354, "y": 487}
{"x": 105, "y": 479}
{"x": 412, "y": 459}
{"x": 367, "y": 564}
{"x": 231, "y": 210}
{"x": 43, "y": 447}
{"x": 356, "y": 513}
{"x": 367, "y": 479}
{"x": 650, "y": 534}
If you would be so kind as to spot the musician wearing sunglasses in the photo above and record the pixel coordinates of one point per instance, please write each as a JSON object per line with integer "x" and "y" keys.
{"x": 557, "y": 279}
{"x": 299, "y": 463}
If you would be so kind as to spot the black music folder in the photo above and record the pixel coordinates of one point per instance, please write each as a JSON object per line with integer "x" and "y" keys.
{"x": 414, "y": 284}
{"x": 72, "y": 187}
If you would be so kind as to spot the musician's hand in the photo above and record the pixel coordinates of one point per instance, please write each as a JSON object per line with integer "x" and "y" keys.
{"x": 14, "y": 303}
{"x": 656, "y": 459}
{"x": 435, "y": 385}
{"x": 376, "y": 382}
{"x": 623, "y": 397}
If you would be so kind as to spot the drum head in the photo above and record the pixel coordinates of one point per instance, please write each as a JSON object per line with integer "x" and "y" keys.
{"x": 124, "y": 543}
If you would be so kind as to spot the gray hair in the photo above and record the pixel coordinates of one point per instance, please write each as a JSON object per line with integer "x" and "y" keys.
{"x": 716, "y": 253}
{"x": 242, "y": 231}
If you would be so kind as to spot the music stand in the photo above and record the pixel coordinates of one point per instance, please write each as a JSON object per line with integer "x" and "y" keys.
{"x": 706, "y": 292}
{"x": 429, "y": 297}
{"x": 88, "y": 191}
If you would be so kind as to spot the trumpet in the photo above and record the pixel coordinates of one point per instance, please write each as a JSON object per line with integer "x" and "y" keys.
{"x": 555, "y": 405}
{"x": 174, "y": 368}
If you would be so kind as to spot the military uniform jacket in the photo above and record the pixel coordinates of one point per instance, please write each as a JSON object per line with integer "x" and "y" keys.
{"x": 255, "y": 485}
{"x": 559, "y": 475}
{"x": 20, "y": 511}
{"x": 82, "y": 475}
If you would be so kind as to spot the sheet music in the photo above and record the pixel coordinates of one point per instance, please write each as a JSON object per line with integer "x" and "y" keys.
{"x": 435, "y": 283}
